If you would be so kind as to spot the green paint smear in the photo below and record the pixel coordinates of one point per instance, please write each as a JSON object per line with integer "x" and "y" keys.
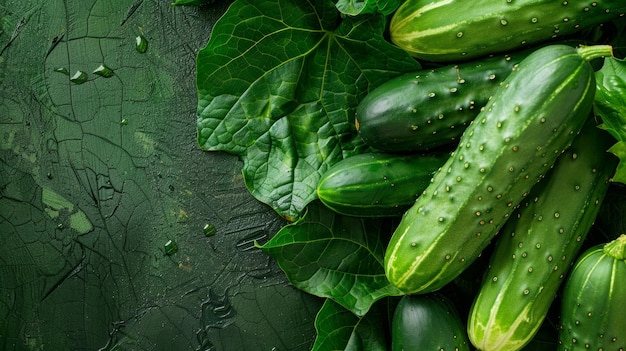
{"x": 55, "y": 203}
{"x": 80, "y": 223}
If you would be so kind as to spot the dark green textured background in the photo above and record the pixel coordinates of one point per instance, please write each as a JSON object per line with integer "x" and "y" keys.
{"x": 96, "y": 177}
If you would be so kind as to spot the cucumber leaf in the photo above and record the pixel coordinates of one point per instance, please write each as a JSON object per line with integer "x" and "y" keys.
{"x": 360, "y": 7}
{"x": 278, "y": 83}
{"x": 610, "y": 106}
{"x": 339, "y": 329}
{"x": 334, "y": 256}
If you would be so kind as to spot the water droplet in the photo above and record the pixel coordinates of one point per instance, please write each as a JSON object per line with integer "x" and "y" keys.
{"x": 504, "y": 22}
{"x": 141, "y": 44}
{"x": 103, "y": 71}
{"x": 459, "y": 34}
{"x": 534, "y": 20}
{"x": 209, "y": 229}
{"x": 170, "y": 247}
{"x": 62, "y": 70}
{"x": 124, "y": 121}
{"x": 79, "y": 77}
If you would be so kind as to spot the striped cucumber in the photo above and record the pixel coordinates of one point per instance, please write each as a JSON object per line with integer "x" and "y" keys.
{"x": 506, "y": 150}
{"x": 454, "y": 30}
{"x": 538, "y": 244}
{"x": 594, "y": 300}
{"x": 430, "y": 108}
{"x": 377, "y": 184}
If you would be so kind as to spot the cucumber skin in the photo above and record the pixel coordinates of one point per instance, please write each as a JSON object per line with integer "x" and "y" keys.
{"x": 377, "y": 184}
{"x": 502, "y": 154}
{"x": 538, "y": 244}
{"x": 427, "y": 322}
{"x": 593, "y": 301}
{"x": 430, "y": 108}
{"x": 456, "y": 30}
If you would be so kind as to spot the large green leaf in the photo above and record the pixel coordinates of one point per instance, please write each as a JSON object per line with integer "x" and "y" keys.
{"x": 610, "y": 105}
{"x": 278, "y": 83}
{"x": 339, "y": 329}
{"x": 334, "y": 256}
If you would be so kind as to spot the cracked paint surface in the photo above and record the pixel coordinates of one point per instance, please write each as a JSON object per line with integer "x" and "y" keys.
{"x": 99, "y": 169}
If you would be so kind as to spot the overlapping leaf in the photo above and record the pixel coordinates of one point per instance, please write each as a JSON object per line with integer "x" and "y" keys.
{"x": 339, "y": 329}
{"x": 278, "y": 83}
{"x": 610, "y": 105}
{"x": 334, "y": 256}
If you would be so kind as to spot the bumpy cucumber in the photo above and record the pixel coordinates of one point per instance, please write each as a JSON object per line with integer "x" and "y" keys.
{"x": 453, "y": 30}
{"x": 377, "y": 184}
{"x": 427, "y": 322}
{"x": 539, "y": 243}
{"x": 430, "y": 108}
{"x": 594, "y": 298}
{"x": 506, "y": 150}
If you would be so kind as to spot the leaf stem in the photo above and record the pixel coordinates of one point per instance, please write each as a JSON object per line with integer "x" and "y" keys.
{"x": 616, "y": 248}
{"x": 595, "y": 51}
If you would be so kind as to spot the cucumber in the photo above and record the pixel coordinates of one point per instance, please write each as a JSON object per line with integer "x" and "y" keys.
{"x": 594, "y": 299}
{"x": 506, "y": 150}
{"x": 538, "y": 244}
{"x": 377, "y": 184}
{"x": 427, "y": 322}
{"x": 430, "y": 108}
{"x": 455, "y": 30}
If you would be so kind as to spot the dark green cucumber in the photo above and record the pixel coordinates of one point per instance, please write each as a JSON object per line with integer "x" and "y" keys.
{"x": 538, "y": 244}
{"x": 506, "y": 150}
{"x": 430, "y": 108}
{"x": 377, "y": 184}
{"x": 454, "y": 30}
{"x": 427, "y": 322}
{"x": 593, "y": 304}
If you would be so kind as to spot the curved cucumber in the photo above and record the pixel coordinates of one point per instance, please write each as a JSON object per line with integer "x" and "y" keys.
{"x": 507, "y": 149}
{"x": 430, "y": 108}
{"x": 539, "y": 243}
{"x": 377, "y": 184}
{"x": 427, "y": 322}
{"x": 454, "y": 30}
{"x": 594, "y": 297}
